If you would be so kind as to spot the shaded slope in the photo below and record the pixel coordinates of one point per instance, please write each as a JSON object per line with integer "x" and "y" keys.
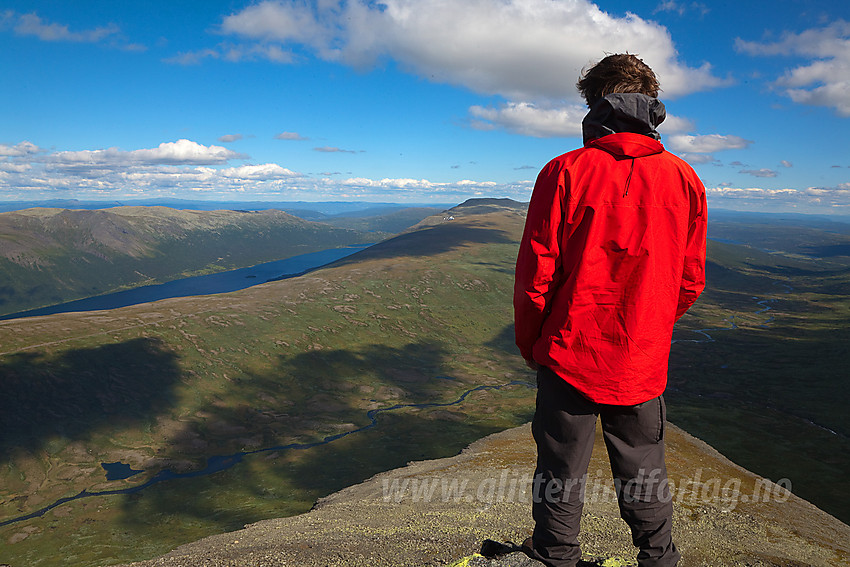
{"x": 766, "y": 382}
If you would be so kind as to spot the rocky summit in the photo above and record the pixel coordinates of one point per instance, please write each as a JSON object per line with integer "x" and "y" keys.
{"x": 448, "y": 511}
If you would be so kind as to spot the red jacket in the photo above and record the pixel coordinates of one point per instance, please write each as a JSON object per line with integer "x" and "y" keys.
{"x": 612, "y": 255}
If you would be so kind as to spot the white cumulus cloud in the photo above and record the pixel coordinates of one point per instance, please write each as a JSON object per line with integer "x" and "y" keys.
{"x": 682, "y": 8}
{"x": 234, "y": 54}
{"x": 825, "y": 80}
{"x": 707, "y": 143}
{"x": 291, "y": 136}
{"x": 521, "y": 49}
{"x": 529, "y": 119}
{"x": 14, "y": 167}
{"x": 333, "y": 150}
{"x": 694, "y": 158}
{"x": 547, "y": 121}
{"x": 675, "y": 125}
{"x": 181, "y": 152}
{"x": 528, "y": 51}
{"x": 264, "y": 171}
{"x": 19, "y": 150}
{"x": 294, "y": 21}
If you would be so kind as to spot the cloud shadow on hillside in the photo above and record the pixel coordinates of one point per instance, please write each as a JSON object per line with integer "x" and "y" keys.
{"x": 791, "y": 271}
{"x": 322, "y": 394}
{"x": 71, "y": 394}
{"x": 830, "y": 281}
{"x": 431, "y": 241}
{"x": 828, "y": 250}
{"x": 404, "y": 435}
{"x": 505, "y": 340}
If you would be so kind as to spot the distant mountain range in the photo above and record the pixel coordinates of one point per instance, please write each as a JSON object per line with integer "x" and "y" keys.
{"x": 297, "y": 208}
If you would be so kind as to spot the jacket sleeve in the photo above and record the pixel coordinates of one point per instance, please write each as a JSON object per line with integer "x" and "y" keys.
{"x": 693, "y": 273}
{"x": 538, "y": 260}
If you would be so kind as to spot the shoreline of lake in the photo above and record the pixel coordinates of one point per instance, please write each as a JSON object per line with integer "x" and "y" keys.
{"x": 209, "y": 284}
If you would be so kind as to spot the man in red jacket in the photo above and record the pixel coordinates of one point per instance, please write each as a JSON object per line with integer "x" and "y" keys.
{"x": 612, "y": 255}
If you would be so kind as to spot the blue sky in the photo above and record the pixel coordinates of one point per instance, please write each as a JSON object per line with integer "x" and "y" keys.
{"x": 409, "y": 100}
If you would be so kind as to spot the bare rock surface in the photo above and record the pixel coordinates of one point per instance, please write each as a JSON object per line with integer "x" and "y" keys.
{"x": 440, "y": 512}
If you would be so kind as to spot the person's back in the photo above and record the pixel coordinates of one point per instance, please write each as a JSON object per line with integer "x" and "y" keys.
{"x": 623, "y": 247}
{"x": 612, "y": 255}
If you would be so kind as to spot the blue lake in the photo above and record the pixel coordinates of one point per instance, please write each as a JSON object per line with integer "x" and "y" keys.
{"x": 119, "y": 471}
{"x": 221, "y": 282}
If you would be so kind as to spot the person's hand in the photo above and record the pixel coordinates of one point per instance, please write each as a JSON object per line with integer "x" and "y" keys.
{"x": 531, "y": 364}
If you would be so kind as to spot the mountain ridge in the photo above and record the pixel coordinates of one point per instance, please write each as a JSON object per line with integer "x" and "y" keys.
{"x": 369, "y": 524}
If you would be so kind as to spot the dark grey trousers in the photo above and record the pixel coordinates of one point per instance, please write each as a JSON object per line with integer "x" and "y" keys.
{"x": 564, "y": 428}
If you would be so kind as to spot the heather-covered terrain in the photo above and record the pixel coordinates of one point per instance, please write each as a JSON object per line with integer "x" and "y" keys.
{"x": 223, "y": 410}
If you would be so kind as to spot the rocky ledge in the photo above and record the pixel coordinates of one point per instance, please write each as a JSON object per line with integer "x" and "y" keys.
{"x": 441, "y": 512}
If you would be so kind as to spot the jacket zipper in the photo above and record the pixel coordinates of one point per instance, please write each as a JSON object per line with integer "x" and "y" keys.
{"x": 629, "y": 178}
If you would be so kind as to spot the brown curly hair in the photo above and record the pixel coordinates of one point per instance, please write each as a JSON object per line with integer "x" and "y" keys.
{"x": 618, "y": 73}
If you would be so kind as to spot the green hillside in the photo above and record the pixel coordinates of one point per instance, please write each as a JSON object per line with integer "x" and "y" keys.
{"x": 170, "y": 384}
{"x": 401, "y": 352}
{"x": 50, "y": 256}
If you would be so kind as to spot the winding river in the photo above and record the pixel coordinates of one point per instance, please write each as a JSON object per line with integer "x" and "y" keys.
{"x": 731, "y": 325}
{"x": 223, "y": 462}
{"x": 118, "y": 471}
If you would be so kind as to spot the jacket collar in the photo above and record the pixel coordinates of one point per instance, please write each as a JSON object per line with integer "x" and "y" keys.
{"x": 623, "y": 112}
{"x": 627, "y": 145}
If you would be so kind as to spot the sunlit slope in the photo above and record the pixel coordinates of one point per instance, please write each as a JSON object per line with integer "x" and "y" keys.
{"x": 49, "y": 256}
{"x": 170, "y": 384}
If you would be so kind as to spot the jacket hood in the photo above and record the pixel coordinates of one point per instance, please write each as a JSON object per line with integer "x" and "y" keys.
{"x": 624, "y": 112}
